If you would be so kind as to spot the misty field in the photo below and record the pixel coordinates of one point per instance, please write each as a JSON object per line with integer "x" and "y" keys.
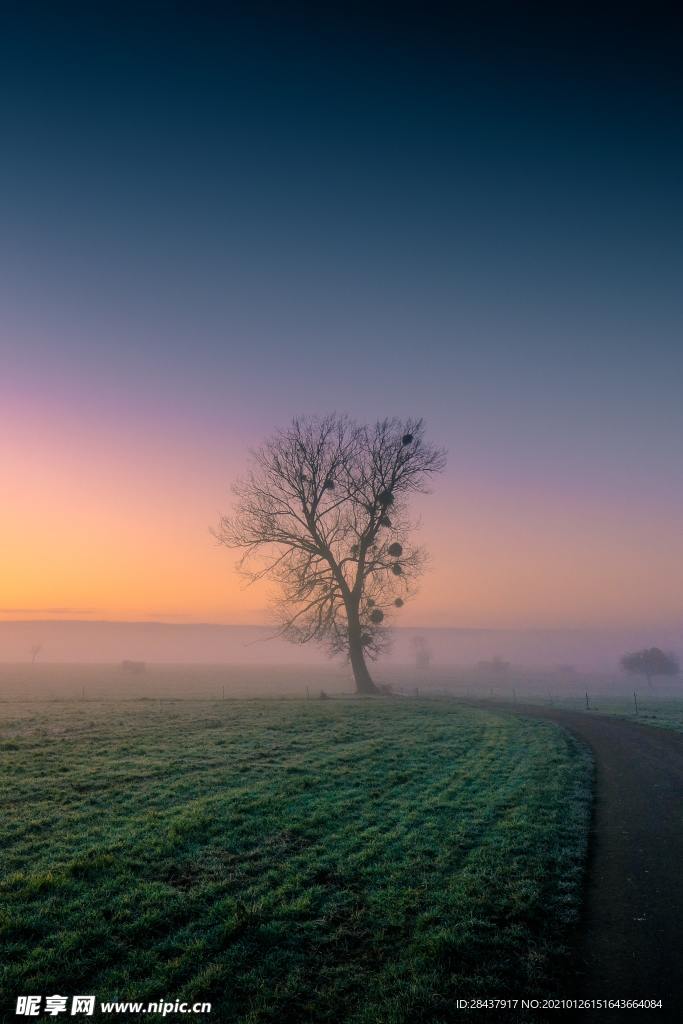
{"x": 288, "y": 860}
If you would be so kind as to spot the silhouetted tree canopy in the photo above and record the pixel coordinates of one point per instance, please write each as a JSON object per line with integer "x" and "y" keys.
{"x": 311, "y": 515}
{"x": 651, "y": 661}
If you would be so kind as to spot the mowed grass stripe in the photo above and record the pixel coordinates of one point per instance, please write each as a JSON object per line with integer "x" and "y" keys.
{"x": 289, "y": 860}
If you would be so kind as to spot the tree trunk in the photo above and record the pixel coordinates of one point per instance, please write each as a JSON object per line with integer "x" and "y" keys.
{"x": 364, "y": 683}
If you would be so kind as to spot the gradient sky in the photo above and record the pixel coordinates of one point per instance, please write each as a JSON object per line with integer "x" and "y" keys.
{"x": 210, "y": 222}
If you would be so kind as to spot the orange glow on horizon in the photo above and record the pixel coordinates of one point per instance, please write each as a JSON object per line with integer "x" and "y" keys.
{"x": 94, "y": 531}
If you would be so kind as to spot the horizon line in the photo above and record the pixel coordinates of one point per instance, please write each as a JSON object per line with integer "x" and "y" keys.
{"x": 263, "y": 626}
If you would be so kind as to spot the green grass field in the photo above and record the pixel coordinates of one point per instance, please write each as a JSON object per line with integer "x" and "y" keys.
{"x": 289, "y": 861}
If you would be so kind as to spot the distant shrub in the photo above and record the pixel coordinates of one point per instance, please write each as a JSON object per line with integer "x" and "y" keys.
{"x": 651, "y": 661}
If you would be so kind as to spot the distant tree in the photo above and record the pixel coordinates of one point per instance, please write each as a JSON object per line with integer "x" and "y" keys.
{"x": 423, "y": 655}
{"x": 649, "y": 662}
{"x": 323, "y": 512}
{"x": 34, "y": 651}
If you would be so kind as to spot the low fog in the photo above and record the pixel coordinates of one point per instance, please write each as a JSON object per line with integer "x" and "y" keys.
{"x": 112, "y": 642}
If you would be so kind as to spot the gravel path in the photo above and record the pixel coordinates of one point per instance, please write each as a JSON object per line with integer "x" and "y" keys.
{"x": 631, "y": 939}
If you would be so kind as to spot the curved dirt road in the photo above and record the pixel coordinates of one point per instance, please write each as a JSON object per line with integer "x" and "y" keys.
{"x": 631, "y": 939}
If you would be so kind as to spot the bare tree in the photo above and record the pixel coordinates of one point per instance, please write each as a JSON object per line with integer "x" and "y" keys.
{"x": 34, "y": 652}
{"x": 323, "y": 512}
{"x": 649, "y": 662}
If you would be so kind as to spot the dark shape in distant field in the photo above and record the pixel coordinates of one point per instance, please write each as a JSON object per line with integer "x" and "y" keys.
{"x": 423, "y": 655}
{"x": 649, "y": 662}
{"x": 323, "y": 544}
{"x": 496, "y": 666}
{"x": 133, "y": 667}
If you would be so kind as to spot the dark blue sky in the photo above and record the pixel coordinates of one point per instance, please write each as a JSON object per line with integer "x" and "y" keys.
{"x": 214, "y": 219}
